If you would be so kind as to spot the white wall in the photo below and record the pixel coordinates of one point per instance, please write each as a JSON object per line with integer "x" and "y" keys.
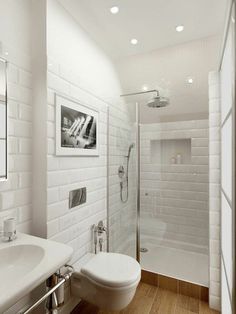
{"x": 174, "y": 197}
{"x": 15, "y": 47}
{"x": 214, "y": 190}
{"x": 15, "y": 39}
{"x": 227, "y": 84}
{"x": 167, "y": 69}
{"x": 70, "y": 45}
{"x": 78, "y": 68}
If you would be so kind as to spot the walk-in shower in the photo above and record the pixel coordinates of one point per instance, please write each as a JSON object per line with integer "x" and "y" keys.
{"x": 158, "y": 202}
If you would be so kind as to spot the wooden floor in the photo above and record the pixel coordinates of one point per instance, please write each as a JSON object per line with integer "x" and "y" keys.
{"x": 153, "y": 300}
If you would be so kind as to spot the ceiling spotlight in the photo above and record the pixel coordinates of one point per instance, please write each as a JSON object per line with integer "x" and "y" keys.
{"x": 190, "y": 80}
{"x": 134, "y": 41}
{"x": 114, "y": 10}
{"x": 144, "y": 88}
{"x": 179, "y": 28}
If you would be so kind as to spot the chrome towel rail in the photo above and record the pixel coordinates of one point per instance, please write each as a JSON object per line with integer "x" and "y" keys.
{"x": 62, "y": 279}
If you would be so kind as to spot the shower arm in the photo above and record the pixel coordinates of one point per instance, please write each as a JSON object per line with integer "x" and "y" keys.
{"x": 139, "y": 93}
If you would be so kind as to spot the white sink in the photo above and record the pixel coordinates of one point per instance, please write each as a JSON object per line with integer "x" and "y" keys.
{"x": 27, "y": 262}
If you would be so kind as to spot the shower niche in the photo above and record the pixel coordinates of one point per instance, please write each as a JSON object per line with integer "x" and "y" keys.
{"x": 170, "y": 151}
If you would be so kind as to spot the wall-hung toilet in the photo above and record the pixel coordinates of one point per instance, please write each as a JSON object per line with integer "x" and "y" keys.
{"x": 107, "y": 280}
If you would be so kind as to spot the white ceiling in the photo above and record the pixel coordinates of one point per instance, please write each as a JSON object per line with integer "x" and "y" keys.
{"x": 152, "y": 22}
{"x": 167, "y": 70}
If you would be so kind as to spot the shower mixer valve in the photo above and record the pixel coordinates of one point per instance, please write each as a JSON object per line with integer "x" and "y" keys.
{"x": 98, "y": 231}
{"x": 121, "y": 172}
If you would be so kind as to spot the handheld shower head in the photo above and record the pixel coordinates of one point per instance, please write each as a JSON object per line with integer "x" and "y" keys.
{"x": 131, "y": 146}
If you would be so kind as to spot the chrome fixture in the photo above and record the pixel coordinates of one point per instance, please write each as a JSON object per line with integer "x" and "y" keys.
{"x": 101, "y": 228}
{"x": 98, "y": 231}
{"x": 100, "y": 244}
{"x": 77, "y": 197}
{"x": 143, "y": 250}
{"x": 125, "y": 181}
{"x": 121, "y": 172}
{"x": 155, "y": 102}
{"x": 53, "y": 284}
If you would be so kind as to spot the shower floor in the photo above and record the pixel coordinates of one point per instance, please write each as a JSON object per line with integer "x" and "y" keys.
{"x": 179, "y": 264}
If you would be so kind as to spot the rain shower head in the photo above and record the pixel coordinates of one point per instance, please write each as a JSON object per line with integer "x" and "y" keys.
{"x": 158, "y": 102}
{"x": 155, "y": 102}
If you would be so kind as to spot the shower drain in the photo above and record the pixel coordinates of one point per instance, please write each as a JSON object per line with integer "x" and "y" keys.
{"x": 143, "y": 250}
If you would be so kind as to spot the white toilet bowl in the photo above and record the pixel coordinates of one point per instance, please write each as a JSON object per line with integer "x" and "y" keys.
{"x": 107, "y": 280}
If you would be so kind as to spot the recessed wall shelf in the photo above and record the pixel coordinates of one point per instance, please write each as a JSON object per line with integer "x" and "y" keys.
{"x": 162, "y": 151}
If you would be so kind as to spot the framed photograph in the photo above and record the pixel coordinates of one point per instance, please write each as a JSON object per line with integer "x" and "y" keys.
{"x": 76, "y": 128}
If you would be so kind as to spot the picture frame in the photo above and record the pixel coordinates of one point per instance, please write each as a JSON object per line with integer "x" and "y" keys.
{"x": 77, "y": 128}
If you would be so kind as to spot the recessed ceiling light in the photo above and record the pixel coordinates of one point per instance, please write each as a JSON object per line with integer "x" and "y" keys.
{"x": 144, "y": 88}
{"x": 179, "y": 28}
{"x": 114, "y": 10}
{"x": 134, "y": 41}
{"x": 190, "y": 80}
{"x": 6, "y": 53}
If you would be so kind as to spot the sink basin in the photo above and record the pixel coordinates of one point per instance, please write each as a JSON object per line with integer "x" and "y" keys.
{"x": 17, "y": 261}
{"x": 27, "y": 262}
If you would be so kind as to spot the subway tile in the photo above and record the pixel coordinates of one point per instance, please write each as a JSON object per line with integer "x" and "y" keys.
{"x": 200, "y": 151}
{"x": 15, "y": 194}
{"x": 214, "y": 92}
{"x": 52, "y": 228}
{"x": 53, "y": 195}
{"x": 25, "y": 146}
{"x": 25, "y": 180}
{"x": 25, "y": 112}
{"x": 214, "y": 105}
{"x": 7, "y": 200}
{"x": 25, "y": 78}
{"x": 213, "y": 78}
{"x": 12, "y": 73}
{"x": 13, "y": 147}
{"x": 214, "y": 302}
{"x": 214, "y": 274}
{"x": 12, "y": 109}
{"x": 24, "y": 213}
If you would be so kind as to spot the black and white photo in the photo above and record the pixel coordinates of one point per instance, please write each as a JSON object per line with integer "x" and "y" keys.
{"x": 76, "y": 128}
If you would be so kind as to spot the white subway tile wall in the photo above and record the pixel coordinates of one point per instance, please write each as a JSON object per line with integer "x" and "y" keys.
{"x": 214, "y": 190}
{"x": 68, "y": 173}
{"x": 174, "y": 197}
{"x": 15, "y": 194}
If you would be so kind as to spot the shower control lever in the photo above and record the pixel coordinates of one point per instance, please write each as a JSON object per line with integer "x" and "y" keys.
{"x": 101, "y": 228}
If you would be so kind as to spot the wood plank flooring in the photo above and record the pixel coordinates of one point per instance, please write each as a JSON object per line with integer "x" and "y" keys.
{"x": 153, "y": 300}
